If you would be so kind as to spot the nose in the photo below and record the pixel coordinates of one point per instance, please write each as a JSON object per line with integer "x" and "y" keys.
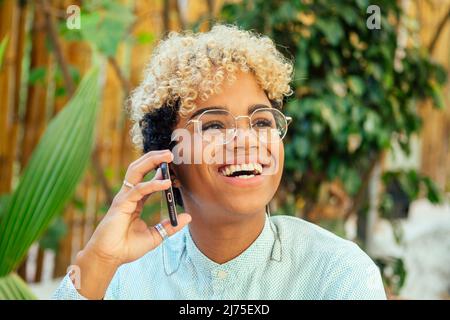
{"x": 244, "y": 138}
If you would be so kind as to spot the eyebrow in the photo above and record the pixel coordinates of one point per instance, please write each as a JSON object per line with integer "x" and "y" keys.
{"x": 250, "y": 109}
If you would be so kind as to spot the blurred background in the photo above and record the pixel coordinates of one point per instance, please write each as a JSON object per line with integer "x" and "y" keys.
{"x": 367, "y": 154}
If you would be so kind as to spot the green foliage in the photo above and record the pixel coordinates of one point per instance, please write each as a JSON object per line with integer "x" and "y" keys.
{"x": 145, "y": 38}
{"x": 406, "y": 185}
{"x": 4, "y": 198}
{"x": 350, "y": 102}
{"x": 51, "y": 176}
{"x": 37, "y": 75}
{"x": 150, "y": 209}
{"x": 54, "y": 233}
{"x": 12, "y": 287}
{"x": 105, "y": 24}
{"x": 394, "y": 273}
{"x": 3, "y": 46}
{"x": 337, "y": 225}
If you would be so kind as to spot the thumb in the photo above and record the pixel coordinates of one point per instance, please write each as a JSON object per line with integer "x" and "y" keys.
{"x": 183, "y": 220}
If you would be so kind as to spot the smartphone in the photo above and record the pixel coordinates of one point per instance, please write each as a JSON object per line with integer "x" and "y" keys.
{"x": 169, "y": 196}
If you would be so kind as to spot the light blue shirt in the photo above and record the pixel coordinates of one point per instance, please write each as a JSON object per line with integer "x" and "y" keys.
{"x": 290, "y": 259}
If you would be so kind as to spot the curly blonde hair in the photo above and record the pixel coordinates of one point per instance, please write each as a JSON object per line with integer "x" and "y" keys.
{"x": 188, "y": 65}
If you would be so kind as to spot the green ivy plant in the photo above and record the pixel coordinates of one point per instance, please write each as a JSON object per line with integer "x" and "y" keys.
{"x": 350, "y": 103}
{"x": 105, "y": 25}
{"x": 402, "y": 187}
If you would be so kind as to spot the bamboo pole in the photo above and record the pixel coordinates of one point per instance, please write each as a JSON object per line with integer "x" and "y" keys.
{"x": 77, "y": 55}
{"x": 36, "y": 102}
{"x": 435, "y": 136}
{"x": 9, "y": 27}
{"x": 12, "y": 25}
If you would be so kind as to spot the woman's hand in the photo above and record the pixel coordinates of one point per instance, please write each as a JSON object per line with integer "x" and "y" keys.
{"x": 122, "y": 236}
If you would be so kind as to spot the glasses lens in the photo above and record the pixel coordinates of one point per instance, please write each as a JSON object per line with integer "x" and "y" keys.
{"x": 269, "y": 124}
{"x": 217, "y": 126}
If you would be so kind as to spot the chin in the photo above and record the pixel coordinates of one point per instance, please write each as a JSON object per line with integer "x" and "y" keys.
{"x": 245, "y": 206}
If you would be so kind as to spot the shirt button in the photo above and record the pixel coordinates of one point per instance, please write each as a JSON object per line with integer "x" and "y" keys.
{"x": 222, "y": 274}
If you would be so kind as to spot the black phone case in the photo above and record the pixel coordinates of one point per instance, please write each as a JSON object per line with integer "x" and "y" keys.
{"x": 169, "y": 196}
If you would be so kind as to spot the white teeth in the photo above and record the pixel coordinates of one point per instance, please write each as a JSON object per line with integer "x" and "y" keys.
{"x": 230, "y": 169}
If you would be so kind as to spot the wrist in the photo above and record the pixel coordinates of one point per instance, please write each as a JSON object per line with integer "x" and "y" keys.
{"x": 96, "y": 272}
{"x": 96, "y": 258}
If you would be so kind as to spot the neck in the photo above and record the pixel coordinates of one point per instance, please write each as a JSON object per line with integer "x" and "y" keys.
{"x": 223, "y": 241}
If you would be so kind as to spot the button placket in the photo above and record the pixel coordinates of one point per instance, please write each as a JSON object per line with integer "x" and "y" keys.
{"x": 222, "y": 274}
{"x": 219, "y": 277}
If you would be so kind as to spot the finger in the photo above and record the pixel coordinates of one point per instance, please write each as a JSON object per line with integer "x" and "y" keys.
{"x": 127, "y": 202}
{"x": 146, "y": 188}
{"x": 150, "y": 154}
{"x": 183, "y": 219}
{"x": 137, "y": 170}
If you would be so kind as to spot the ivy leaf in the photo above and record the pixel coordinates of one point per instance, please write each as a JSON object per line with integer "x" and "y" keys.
{"x": 37, "y": 75}
{"x": 433, "y": 193}
{"x": 352, "y": 180}
{"x": 316, "y": 57}
{"x": 348, "y": 13}
{"x": 437, "y": 95}
{"x": 356, "y": 85}
{"x": 332, "y": 30}
{"x": 106, "y": 26}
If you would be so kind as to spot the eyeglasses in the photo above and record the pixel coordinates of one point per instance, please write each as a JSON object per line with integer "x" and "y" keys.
{"x": 219, "y": 126}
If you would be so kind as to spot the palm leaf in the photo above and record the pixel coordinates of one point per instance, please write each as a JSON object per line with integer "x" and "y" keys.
{"x": 12, "y": 287}
{"x": 51, "y": 176}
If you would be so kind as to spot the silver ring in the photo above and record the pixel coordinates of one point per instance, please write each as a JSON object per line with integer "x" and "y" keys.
{"x": 130, "y": 185}
{"x": 162, "y": 231}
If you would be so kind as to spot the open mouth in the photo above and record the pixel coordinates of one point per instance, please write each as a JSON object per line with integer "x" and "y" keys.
{"x": 242, "y": 171}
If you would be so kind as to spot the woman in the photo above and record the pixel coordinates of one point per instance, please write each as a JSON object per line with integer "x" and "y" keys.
{"x": 224, "y": 88}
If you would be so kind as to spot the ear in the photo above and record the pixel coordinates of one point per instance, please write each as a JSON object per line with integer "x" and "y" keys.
{"x": 173, "y": 176}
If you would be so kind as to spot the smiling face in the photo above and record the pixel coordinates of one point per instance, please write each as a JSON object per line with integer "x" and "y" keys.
{"x": 246, "y": 179}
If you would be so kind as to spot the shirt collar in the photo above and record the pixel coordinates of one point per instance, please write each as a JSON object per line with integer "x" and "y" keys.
{"x": 266, "y": 246}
